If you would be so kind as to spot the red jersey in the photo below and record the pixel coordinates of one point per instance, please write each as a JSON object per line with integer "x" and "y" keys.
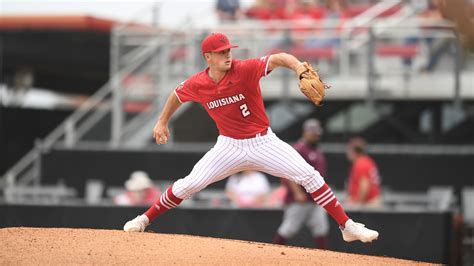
{"x": 235, "y": 103}
{"x": 364, "y": 167}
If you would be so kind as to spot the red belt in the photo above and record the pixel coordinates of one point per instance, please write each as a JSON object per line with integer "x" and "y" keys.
{"x": 263, "y": 133}
{"x": 260, "y": 134}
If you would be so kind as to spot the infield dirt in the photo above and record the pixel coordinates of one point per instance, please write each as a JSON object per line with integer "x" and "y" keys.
{"x": 60, "y": 246}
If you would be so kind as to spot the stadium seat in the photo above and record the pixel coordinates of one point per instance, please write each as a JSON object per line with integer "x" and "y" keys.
{"x": 404, "y": 51}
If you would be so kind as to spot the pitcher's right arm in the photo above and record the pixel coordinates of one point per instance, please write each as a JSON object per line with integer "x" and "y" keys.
{"x": 161, "y": 132}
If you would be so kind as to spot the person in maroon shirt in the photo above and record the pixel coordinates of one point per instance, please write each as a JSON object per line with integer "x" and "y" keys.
{"x": 299, "y": 206}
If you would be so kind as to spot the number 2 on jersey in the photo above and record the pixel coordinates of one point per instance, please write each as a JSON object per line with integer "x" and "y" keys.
{"x": 245, "y": 110}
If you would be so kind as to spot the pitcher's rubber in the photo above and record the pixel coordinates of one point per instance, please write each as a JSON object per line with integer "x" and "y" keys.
{"x": 59, "y": 246}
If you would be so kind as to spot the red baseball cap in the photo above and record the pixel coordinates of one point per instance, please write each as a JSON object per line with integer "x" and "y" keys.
{"x": 216, "y": 42}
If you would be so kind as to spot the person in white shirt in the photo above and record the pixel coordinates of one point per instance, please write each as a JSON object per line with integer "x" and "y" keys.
{"x": 140, "y": 191}
{"x": 248, "y": 189}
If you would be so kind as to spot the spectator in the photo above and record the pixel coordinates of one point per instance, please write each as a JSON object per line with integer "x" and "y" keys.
{"x": 460, "y": 12}
{"x": 331, "y": 24}
{"x": 140, "y": 191}
{"x": 300, "y": 207}
{"x": 266, "y": 10}
{"x": 364, "y": 180}
{"x": 228, "y": 10}
{"x": 249, "y": 189}
{"x": 437, "y": 46}
{"x": 302, "y": 9}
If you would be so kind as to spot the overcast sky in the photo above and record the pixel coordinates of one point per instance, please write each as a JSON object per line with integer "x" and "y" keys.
{"x": 171, "y": 12}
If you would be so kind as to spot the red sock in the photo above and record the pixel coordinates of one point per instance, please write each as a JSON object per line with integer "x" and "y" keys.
{"x": 166, "y": 202}
{"x": 326, "y": 199}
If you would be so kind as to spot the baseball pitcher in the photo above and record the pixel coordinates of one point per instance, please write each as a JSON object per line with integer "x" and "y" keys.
{"x": 229, "y": 91}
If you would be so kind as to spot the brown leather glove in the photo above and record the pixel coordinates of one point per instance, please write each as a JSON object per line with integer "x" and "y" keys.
{"x": 310, "y": 83}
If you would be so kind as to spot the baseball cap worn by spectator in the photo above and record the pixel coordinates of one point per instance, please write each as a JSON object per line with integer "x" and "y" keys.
{"x": 138, "y": 180}
{"x": 216, "y": 42}
{"x": 313, "y": 126}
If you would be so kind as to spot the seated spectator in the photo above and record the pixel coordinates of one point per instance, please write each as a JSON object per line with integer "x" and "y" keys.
{"x": 140, "y": 191}
{"x": 363, "y": 187}
{"x": 437, "y": 46}
{"x": 461, "y": 13}
{"x": 266, "y": 10}
{"x": 248, "y": 189}
{"x": 331, "y": 24}
{"x": 228, "y": 10}
{"x": 316, "y": 31}
{"x": 303, "y": 9}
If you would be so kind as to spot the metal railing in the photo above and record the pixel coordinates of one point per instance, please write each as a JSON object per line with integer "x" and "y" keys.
{"x": 72, "y": 129}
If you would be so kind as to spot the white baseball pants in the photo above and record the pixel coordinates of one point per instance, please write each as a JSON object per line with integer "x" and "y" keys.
{"x": 267, "y": 154}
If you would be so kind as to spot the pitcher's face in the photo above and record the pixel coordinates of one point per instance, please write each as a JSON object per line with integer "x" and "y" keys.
{"x": 220, "y": 61}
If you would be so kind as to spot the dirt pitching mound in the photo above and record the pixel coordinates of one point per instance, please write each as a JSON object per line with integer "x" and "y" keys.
{"x": 73, "y": 246}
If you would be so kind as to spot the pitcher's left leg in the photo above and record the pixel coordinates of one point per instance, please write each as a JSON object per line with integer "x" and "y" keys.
{"x": 280, "y": 159}
{"x": 276, "y": 157}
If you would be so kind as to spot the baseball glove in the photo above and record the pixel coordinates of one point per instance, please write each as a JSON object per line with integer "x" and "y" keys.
{"x": 310, "y": 83}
